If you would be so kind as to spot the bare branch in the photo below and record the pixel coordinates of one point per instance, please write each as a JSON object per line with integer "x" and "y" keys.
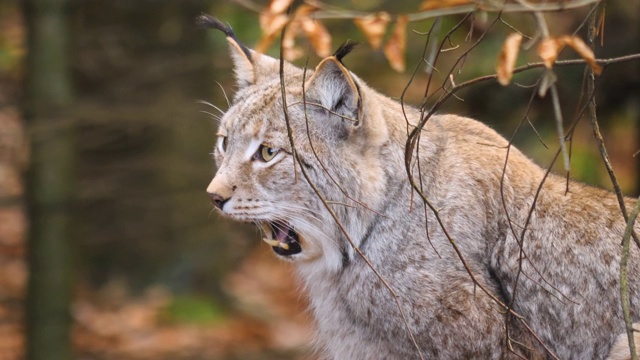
{"x": 629, "y": 232}
{"x": 328, "y": 110}
{"x": 487, "y": 6}
{"x": 624, "y": 285}
{"x": 328, "y": 206}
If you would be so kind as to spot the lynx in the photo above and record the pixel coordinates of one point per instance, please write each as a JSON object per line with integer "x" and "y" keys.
{"x": 337, "y": 185}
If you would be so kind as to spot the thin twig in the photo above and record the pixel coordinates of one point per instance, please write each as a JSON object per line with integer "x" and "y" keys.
{"x": 624, "y": 285}
{"x": 435, "y": 28}
{"x": 520, "y": 242}
{"x": 284, "y": 102}
{"x": 355, "y": 247}
{"x": 411, "y": 144}
{"x": 537, "y": 65}
{"x": 487, "y": 6}
{"x": 355, "y": 121}
{"x": 555, "y": 99}
{"x": 341, "y": 203}
{"x": 557, "y": 111}
{"x": 327, "y": 205}
{"x": 630, "y": 220}
{"x": 315, "y": 153}
{"x": 601, "y": 147}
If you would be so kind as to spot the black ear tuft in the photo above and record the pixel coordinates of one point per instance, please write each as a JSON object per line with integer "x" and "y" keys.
{"x": 345, "y": 49}
{"x": 210, "y": 22}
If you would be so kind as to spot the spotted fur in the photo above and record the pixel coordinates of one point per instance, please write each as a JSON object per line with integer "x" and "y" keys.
{"x": 351, "y": 144}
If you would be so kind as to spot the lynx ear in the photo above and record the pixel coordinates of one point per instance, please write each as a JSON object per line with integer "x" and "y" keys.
{"x": 243, "y": 66}
{"x": 334, "y": 87}
{"x": 247, "y": 63}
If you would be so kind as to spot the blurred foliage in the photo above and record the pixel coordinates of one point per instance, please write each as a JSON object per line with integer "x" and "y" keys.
{"x": 11, "y": 44}
{"x": 192, "y": 309}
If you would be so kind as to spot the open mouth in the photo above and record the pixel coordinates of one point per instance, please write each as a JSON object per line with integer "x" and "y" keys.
{"x": 282, "y": 237}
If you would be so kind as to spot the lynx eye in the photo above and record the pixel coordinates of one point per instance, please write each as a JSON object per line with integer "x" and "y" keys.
{"x": 222, "y": 144}
{"x": 266, "y": 153}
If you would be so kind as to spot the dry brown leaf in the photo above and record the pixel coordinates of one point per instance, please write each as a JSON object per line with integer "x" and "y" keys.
{"x": 318, "y": 36}
{"x": 440, "y": 4}
{"x": 395, "y": 47}
{"x": 304, "y": 10}
{"x": 374, "y": 26}
{"x": 279, "y": 6}
{"x": 551, "y": 47}
{"x": 548, "y": 50}
{"x": 585, "y": 51}
{"x": 270, "y": 24}
{"x": 317, "y": 33}
{"x": 507, "y": 59}
{"x": 289, "y": 50}
{"x": 272, "y": 20}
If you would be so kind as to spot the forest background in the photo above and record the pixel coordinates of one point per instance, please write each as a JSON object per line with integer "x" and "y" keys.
{"x": 131, "y": 247}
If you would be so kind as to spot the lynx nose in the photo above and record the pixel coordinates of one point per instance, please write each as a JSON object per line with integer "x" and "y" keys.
{"x": 218, "y": 200}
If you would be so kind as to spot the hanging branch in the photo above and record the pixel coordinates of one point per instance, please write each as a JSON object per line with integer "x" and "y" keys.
{"x": 549, "y": 50}
{"x": 296, "y": 156}
{"x": 630, "y": 220}
{"x": 624, "y": 285}
{"x": 471, "y": 6}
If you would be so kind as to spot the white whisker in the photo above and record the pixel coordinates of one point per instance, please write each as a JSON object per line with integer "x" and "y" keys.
{"x": 210, "y": 104}
{"x": 217, "y": 118}
{"x": 225, "y": 94}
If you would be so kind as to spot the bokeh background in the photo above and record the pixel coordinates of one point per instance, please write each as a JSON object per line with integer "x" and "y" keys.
{"x": 131, "y": 246}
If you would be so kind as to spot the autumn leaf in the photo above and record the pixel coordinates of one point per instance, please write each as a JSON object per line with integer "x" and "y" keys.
{"x": 273, "y": 20}
{"x": 551, "y": 47}
{"x": 317, "y": 33}
{"x": 270, "y": 24}
{"x": 279, "y": 6}
{"x": 440, "y": 4}
{"x": 289, "y": 50}
{"x": 395, "y": 47}
{"x": 585, "y": 52}
{"x": 507, "y": 59}
{"x": 304, "y": 10}
{"x": 318, "y": 36}
{"x": 374, "y": 27}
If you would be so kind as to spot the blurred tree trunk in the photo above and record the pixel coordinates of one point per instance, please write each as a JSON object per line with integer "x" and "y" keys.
{"x": 49, "y": 180}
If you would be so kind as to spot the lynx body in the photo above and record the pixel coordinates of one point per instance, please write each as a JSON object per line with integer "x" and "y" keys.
{"x": 350, "y": 141}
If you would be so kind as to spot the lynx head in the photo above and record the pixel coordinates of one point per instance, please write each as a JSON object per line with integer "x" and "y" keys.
{"x": 260, "y": 176}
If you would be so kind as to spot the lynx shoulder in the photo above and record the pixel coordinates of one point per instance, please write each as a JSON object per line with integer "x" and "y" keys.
{"x": 338, "y": 181}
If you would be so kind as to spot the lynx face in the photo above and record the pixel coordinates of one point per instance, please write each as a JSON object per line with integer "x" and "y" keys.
{"x": 255, "y": 179}
{"x": 258, "y": 179}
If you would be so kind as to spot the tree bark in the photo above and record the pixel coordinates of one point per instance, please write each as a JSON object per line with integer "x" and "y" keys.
{"x": 49, "y": 180}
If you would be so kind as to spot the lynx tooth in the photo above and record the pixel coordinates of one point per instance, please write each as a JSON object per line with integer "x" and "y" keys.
{"x": 272, "y": 242}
